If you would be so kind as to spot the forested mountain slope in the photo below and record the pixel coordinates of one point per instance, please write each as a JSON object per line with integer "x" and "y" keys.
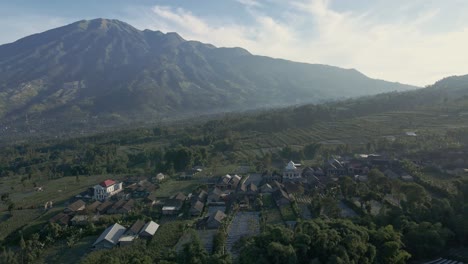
{"x": 101, "y": 72}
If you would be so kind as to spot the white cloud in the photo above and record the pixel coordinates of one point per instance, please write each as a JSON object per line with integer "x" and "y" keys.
{"x": 403, "y": 42}
{"x": 396, "y": 50}
{"x": 250, "y": 3}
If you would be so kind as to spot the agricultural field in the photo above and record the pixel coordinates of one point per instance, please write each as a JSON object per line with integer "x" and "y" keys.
{"x": 355, "y": 131}
{"x": 18, "y": 219}
{"x": 56, "y": 190}
{"x": 243, "y": 224}
{"x": 171, "y": 187}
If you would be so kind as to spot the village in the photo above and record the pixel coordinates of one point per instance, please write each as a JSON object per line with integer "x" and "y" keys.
{"x": 237, "y": 203}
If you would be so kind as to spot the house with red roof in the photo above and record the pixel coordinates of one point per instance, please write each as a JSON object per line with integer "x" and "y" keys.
{"x": 106, "y": 189}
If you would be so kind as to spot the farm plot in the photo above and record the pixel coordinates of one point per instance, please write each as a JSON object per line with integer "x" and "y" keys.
{"x": 243, "y": 224}
{"x": 171, "y": 187}
{"x": 57, "y": 190}
{"x": 18, "y": 219}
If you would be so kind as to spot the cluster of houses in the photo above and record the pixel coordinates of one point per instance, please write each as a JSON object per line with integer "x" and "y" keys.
{"x": 118, "y": 235}
{"x": 109, "y": 197}
{"x": 80, "y": 212}
{"x": 209, "y": 205}
{"x": 296, "y": 180}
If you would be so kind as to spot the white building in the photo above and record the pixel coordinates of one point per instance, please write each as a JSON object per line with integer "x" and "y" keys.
{"x": 292, "y": 171}
{"x": 106, "y": 189}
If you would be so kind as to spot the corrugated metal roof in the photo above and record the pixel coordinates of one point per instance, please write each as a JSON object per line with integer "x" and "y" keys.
{"x": 136, "y": 227}
{"x": 111, "y": 234}
{"x": 150, "y": 228}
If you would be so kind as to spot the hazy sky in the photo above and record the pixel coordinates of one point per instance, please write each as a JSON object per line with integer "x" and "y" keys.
{"x": 416, "y": 42}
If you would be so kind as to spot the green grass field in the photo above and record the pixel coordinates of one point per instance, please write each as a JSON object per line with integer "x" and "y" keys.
{"x": 18, "y": 219}
{"x": 172, "y": 187}
{"x": 57, "y": 190}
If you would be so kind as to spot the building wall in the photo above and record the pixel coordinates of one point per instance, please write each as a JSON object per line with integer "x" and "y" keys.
{"x": 103, "y": 245}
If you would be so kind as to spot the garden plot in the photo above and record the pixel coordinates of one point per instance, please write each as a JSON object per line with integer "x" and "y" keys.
{"x": 243, "y": 224}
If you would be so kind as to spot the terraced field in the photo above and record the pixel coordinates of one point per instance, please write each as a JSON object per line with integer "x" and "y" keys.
{"x": 355, "y": 131}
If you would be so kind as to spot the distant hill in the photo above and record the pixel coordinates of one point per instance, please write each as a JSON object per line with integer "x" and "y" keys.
{"x": 446, "y": 99}
{"x": 105, "y": 72}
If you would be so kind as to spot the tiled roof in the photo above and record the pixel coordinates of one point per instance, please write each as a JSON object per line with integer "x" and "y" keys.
{"x": 180, "y": 196}
{"x": 107, "y": 183}
{"x": 218, "y": 216}
{"x": 76, "y": 205}
{"x": 61, "y": 218}
{"x": 198, "y": 206}
{"x": 92, "y": 207}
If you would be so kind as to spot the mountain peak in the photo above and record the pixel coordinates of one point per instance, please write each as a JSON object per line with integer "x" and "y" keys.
{"x": 103, "y": 24}
{"x": 107, "y": 68}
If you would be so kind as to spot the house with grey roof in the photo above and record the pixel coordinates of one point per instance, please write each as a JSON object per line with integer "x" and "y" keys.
{"x": 102, "y": 208}
{"x": 172, "y": 206}
{"x": 75, "y": 207}
{"x": 180, "y": 196}
{"x": 110, "y": 237}
{"x": 149, "y": 230}
{"x": 248, "y": 190}
{"x": 197, "y": 208}
{"x": 135, "y": 228}
{"x": 126, "y": 240}
{"x": 266, "y": 188}
{"x": 61, "y": 219}
{"x": 215, "y": 220}
{"x": 281, "y": 198}
{"x": 93, "y": 206}
{"x": 201, "y": 196}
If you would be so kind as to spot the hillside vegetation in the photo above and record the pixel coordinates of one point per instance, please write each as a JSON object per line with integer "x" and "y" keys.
{"x": 99, "y": 74}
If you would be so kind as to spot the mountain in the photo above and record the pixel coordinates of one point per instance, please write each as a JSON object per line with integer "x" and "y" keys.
{"x": 107, "y": 72}
{"x": 441, "y": 106}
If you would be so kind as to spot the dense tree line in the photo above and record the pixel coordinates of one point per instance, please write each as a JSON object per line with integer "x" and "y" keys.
{"x": 324, "y": 241}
